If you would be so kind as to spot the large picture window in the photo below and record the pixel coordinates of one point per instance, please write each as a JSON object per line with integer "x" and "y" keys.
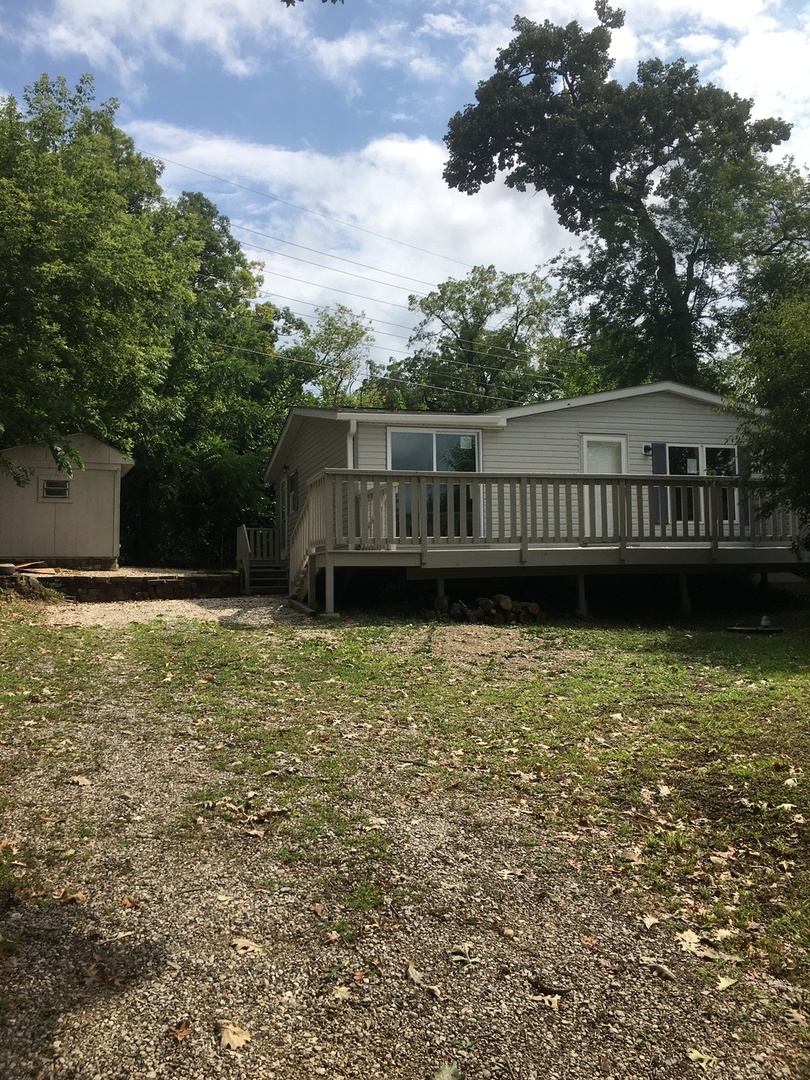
{"x": 449, "y": 509}
{"x": 433, "y": 451}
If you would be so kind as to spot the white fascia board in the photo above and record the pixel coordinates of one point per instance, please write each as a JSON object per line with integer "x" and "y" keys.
{"x": 401, "y": 418}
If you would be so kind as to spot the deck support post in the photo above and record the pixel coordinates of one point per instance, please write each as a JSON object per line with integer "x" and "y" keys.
{"x": 312, "y": 579}
{"x": 683, "y": 594}
{"x": 582, "y": 599}
{"x": 440, "y": 586}
{"x": 329, "y": 587}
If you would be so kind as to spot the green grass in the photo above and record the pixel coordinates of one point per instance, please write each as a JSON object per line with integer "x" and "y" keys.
{"x": 687, "y": 746}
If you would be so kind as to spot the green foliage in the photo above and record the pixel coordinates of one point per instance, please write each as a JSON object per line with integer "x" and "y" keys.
{"x": 771, "y": 374}
{"x": 337, "y": 349}
{"x": 483, "y": 342}
{"x": 664, "y": 178}
{"x": 775, "y": 399}
{"x": 92, "y": 274}
{"x": 132, "y": 318}
{"x": 200, "y": 459}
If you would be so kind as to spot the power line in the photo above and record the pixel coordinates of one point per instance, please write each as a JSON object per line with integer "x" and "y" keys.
{"x": 402, "y": 382}
{"x": 303, "y": 209}
{"x": 329, "y": 255}
{"x": 346, "y": 273}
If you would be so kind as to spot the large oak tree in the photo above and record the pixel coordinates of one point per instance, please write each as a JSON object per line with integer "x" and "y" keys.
{"x": 661, "y": 178}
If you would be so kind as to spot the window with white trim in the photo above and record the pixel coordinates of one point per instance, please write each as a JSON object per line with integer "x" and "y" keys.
{"x": 54, "y": 488}
{"x": 421, "y": 450}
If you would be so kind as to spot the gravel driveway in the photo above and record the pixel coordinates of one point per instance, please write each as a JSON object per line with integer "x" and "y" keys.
{"x": 163, "y": 956}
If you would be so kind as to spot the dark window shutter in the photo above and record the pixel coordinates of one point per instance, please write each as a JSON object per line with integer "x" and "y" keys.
{"x": 744, "y": 470}
{"x": 659, "y": 458}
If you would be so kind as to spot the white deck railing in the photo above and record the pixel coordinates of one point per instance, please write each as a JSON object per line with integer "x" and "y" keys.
{"x": 359, "y": 510}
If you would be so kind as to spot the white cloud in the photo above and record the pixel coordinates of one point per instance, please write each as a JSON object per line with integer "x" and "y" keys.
{"x": 123, "y": 36}
{"x": 385, "y": 206}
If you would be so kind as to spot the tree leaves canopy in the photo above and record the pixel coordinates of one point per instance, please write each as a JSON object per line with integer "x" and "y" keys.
{"x": 483, "y": 342}
{"x": 92, "y": 274}
{"x": 645, "y": 172}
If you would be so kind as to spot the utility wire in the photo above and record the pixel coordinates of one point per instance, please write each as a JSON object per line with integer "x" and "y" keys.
{"x": 403, "y": 382}
{"x": 303, "y": 209}
{"x": 329, "y": 255}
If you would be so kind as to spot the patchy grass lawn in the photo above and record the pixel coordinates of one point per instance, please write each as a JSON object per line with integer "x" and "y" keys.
{"x": 669, "y": 765}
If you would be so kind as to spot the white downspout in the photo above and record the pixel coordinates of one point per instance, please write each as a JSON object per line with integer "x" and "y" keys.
{"x": 350, "y": 445}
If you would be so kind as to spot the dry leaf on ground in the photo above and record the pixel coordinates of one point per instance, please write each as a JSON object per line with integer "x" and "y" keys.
{"x": 80, "y": 781}
{"x": 448, "y": 1071}
{"x": 418, "y": 980}
{"x": 245, "y": 945}
{"x": 231, "y": 1037}
{"x": 705, "y": 1061}
{"x": 657, "y": 967}
{"x": 181, "y": 1030}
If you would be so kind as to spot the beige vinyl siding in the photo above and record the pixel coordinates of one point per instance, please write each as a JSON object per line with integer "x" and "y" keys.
{"x": 84, "y": 526}
{"x": 551, "y": 442}
{"x": 372, "y": 445}
{"x": 321, "y": 445}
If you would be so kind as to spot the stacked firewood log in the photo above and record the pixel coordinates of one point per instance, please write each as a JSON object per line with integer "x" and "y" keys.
{"x": 496, "y": 610}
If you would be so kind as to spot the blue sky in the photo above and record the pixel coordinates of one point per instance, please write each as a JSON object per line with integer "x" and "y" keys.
{"x": 318, "y": 129}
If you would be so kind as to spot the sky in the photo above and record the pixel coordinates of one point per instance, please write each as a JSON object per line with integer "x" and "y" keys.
{"x": 318, "y": 129}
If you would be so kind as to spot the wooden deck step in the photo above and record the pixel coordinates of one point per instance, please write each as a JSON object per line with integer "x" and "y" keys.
{"x": 269, "y": 579}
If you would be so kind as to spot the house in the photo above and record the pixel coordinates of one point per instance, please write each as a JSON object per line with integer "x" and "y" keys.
{"x": 645, "y": 479}
{"x": 65, "y": 521}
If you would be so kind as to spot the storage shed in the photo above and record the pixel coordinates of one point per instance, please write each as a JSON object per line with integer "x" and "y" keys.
{"x": 69, "y": 521}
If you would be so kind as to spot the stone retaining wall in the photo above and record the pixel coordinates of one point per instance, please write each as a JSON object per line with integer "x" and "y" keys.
{"x": 101, "y": 588}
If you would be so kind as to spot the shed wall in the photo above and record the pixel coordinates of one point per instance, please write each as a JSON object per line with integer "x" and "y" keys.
{"x": 85, "y": 526}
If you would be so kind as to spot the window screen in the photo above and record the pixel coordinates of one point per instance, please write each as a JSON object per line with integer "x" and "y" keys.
{"x": 55, "y": 489}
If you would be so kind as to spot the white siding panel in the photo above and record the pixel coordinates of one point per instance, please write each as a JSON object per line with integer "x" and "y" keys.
{"x": 372, "y": 446}
{"x": 550, "y": 442}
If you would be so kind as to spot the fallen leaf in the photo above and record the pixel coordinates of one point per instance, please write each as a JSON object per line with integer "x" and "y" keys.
{"x": 129, "y": 902}
{"x": 448, "y": 1071}
{"x": 705, "y": 1061}
{"x": 418, "y": 980}
{"x": 657, "y": 967}
{"x": 80, "y": 781}
{"x": 724, "y": 982}
{"x": 319, "y": 910}
{"x": 245, "y": 945}
{"x": 231, "y": 1037}
{"x": 65, "y": 897}
{"x": 796, "y": 1017}
{"x": 631, "y": 855}
{"x": 460, "y": 954}
{"x": 650, "y": 920}
{"x": 181, "y": 1030}
{"x": 551, "y": 1001}
{"x": 342, "y": 993}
